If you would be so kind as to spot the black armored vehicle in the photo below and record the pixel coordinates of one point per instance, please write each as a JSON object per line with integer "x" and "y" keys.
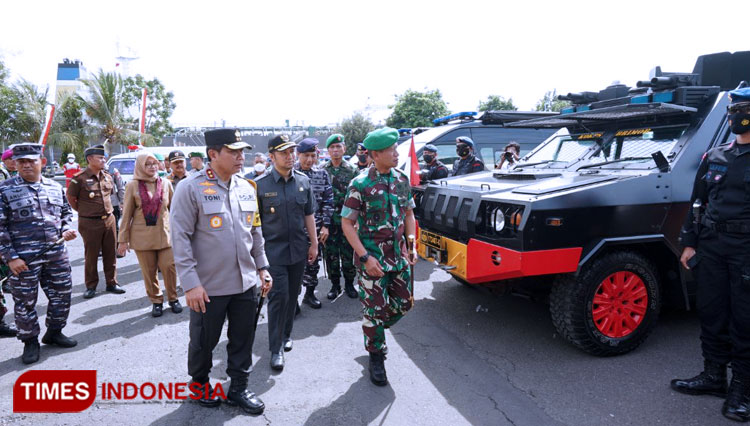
{"x": 591, "y": 218}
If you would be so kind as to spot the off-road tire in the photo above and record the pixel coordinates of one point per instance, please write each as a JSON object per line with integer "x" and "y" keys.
{"x": 572, "y": 303}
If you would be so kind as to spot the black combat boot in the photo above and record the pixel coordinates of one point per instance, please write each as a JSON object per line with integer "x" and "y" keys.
{"x": 712, "y": 381}
{"x": 7, "y": 330}
{"x": 310, "y": 299}
{"x": 335, "y": 290}
{"x": 205, "y": 393}
{"x": 350, "y": 290}
{"x": 737, "y": 405}
{"x": 377, "y": 369}
{"x": 56, "y": 337}
{"x": 30, "y": 351}
{"x": 240, "y": 396}
{"x": 157, "y": 310}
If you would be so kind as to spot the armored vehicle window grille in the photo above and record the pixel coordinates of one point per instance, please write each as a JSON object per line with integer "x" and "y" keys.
{"x": 639, "y": 145}
{"x": 603, "y": 115}
{"x": 562, "y": 149}
{"x": 451, "y": 211}
{"x": 463, "y": 215}
{"x": 439, "y": 209}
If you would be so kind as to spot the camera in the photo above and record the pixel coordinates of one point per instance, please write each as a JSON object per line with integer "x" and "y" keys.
{"x": 508, "y": 155}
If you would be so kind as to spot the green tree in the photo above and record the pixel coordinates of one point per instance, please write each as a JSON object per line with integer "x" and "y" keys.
{"x": 159, "y": 104}
{"x": 69, "y": 125}
{"x": 354, "y": 129}
{"x": 10, "y": 109}
{"x": 417, "y": 109}
{"x": 497, "y": 103}
{"x": 32, "y": 112}
{"x": 104, "y": 105}
{"x": 549, "y": 102}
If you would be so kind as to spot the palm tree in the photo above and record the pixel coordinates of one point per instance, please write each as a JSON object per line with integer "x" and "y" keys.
{"x": 104, "y": 105}
{"x": 33, "y": 104}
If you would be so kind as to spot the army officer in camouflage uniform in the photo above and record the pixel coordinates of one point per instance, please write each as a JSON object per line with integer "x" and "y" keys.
{"x": 338, "y": 252}
{"x": 320, "y": 183}
{"x": 33, "y": 215}
{"x": 380, "y": 202}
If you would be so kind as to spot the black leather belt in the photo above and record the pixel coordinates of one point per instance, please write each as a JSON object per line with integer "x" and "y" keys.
{"x": 731, "y": 227}
{"x": 96, "y": 217}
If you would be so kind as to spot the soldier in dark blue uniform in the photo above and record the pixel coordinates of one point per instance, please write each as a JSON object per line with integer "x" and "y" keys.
{"x": 433, "y": 168}
{"x": 34, "y": 214}
{"x": 716, "y": 237}
{"x": 287, "y": 206}
{"x": 320, "y": 182}
{"x": 469, "y": 162}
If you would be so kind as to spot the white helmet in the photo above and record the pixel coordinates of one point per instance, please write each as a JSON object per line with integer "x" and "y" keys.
{"x": 71, "y": 155}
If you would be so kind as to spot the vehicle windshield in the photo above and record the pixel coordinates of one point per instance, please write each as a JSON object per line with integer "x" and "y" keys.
{"x": 626, "y": 145}
{"x": 562, "y": 149}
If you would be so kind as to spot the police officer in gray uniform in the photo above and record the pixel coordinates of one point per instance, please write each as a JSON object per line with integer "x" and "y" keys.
{"x": 219, "y": 256}
{"x": 34, "y": 214}
{"x": 286, "y": 210}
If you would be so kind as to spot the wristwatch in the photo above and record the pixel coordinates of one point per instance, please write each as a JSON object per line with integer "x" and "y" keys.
{"x": 364, "y": 257}
{"x": 263, "y": 268}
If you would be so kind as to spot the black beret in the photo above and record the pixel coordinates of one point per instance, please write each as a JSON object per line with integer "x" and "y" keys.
{"x": 94, "y": 150}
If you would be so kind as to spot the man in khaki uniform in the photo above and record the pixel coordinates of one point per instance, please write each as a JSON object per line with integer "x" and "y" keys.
{"x": 89, "y": 194}
{"x": 220, "y": 258}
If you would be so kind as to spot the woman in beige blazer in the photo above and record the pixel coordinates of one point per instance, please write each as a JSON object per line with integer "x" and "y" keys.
{"x": 145, "y": 229}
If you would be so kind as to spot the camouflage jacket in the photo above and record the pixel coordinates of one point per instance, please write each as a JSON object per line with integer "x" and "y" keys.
{"x": 379, "y": 202}
{"x": 32, "y": 215}
{"x": 341, "y": 177}
{"x": 320, "y": 184}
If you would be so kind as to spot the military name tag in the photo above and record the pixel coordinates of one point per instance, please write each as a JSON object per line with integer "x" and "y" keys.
{"x": 246, "y": 196}
{"x": 270, "y": 194}
{"x": 207, "y": 198}
{"x": 17, "y": 194}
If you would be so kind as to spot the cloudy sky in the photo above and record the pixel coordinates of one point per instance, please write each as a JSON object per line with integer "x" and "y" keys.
{"x": 316, "y": 62}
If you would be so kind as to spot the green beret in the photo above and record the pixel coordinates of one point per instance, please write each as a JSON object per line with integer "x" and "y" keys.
{"x": 196, "y": 154}
{"x": 334, "y": 138}
{"x": 380, "y": 139}
{"x": 159, "y": 156}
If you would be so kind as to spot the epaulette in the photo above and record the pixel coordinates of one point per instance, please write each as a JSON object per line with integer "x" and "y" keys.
{"x": 81, "y": 172}
{"x": 252, "y": 182}
{"x": 299, "y": 172}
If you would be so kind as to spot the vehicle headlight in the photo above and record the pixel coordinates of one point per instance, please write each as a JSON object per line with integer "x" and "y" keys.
{"x": 499, "y": 220}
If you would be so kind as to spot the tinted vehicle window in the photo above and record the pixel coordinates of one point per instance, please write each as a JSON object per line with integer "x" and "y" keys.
{"x": 125, "y": 166}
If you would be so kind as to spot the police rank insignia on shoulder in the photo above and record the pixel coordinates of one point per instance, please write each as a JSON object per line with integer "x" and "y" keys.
{"x": 210, "y": 174}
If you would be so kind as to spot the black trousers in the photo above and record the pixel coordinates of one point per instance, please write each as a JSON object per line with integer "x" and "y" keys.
{"x": 282, "y": 302}
{"x": 205, "y": 331}
{"x": 723, "y": 302}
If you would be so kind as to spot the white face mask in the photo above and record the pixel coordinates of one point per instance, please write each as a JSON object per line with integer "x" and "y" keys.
{"x": 71, "y": 160}
{"x": 259, "y": 168}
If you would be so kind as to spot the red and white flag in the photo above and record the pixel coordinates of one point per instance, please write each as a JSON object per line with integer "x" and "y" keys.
{"x": 413, "y": 165}
{"x": 143, "y": 110}
{"x": 47, "y": 124}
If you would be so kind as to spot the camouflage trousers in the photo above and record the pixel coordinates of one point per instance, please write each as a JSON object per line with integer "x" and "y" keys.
{"x": 4, "y": 272}
{"x": 384, "y": 300}
{"x": 339, "y": 255}
{"x": 54, "y": 277}
{"x": 310, "y": 276}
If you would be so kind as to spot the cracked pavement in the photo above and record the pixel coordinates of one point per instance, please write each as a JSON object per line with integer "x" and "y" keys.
{"x": 447, "y": 364}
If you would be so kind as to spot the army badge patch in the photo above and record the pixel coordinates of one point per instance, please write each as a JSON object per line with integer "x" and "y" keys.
{"x": 207, "y": 184}
{"x": 215, "y": 222}
{"x": 209, "y": 191}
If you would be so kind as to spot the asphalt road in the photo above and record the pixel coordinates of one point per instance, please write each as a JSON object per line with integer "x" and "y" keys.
{"x": 459, "y": 357}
